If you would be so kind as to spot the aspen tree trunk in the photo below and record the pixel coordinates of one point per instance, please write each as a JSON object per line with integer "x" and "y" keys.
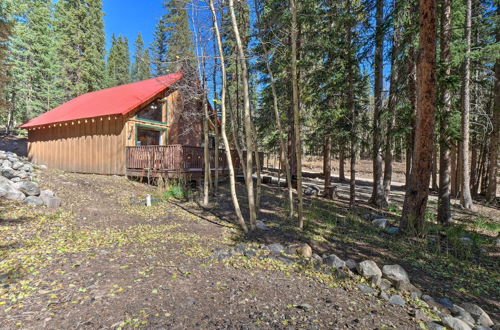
{"x": 247, "y": 120}
{"x": 417, "y": 191}
{"x": 444, "y": 205}
{"x": 216, "y": 128}
{"x": 495, "y": 135}
{"x": 377, "y": 197}
{"x": 466, "y": 199}
{"x": 282, "y": 138}
{"x": 327, "y": 169}
{"x": 352, "y": 110}
{"x": 296, "y": 110}
{"x": 232, "y": 179}
{"x": 206, "y": 154}
{"x": 389, "y": 146}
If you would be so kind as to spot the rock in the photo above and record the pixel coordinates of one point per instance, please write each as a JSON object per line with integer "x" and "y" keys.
{"x": 454, "y": 323}
{"x": 47, "y": 193}
{"x": 333, "y": 261}
{"x": 392, "y": 230}
{"x": 286, "y": 260}
{"x": 42, "y": 167}
{"x": 462, "y": 314}
{"x": 305, "y": 307}
{"x": 384, "y": 284}
{"x": 17, "y": 165}
{"x": 466, "y": 240}
{"x": 343, "y": 273}
{"x": 10, "y": 192}
{"x": 16, "y": 179}
{"x": 261, "y": 225}
{"x": 27, "y": 168}
{"x": 498, "y": 242}
{"x": 305, "y": 250}
{"x": 351, "y": 264}
{"x": 480, "y": 327}
{"x": 22, "y": 174}
{"x": 397, "y": 300}
{"x": 496, "y": 327}
{"x": 34, "y": 200}
{"x": 427, "y": 298}
{"x": 6, "y": 163}
{"x": 369, "y": 269}
{"x": 479, "y": 315}
{"x": 380, "y": 222}
{"x": 52, "y": 202}
{"x": 7, "y": 172}
{"x": 276, "y": 248}
{"x": 406, "y": 286}
{"x": 395, "y": 273}
{"x": 383, "y": 295}
{"x": 434, "y": 326}
{"x": 28, "y": 187}
{"x": 366, "y": 289}
{"x": 445, "y": 302}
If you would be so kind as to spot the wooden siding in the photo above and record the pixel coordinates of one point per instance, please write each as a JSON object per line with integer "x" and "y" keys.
{"x": 87, "y": 146}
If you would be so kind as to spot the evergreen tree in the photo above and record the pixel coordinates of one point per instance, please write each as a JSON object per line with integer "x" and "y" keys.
{"x": 80, "y": 30}
{"x": 118, "y": 65}
{"x": 34, "y": 86}
{"x": 173, "y": 47}
{"x": 5, "y": 32}
{"x": 141, "y": 68}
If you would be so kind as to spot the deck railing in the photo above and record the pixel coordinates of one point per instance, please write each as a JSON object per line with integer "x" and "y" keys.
{"x": 176, "y": 157}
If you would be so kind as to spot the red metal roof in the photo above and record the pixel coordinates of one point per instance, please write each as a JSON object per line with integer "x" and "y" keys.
{"x": 117, "y": 100}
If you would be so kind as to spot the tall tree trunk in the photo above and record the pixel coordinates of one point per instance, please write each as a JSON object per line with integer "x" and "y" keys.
{"x": 232, "y": 179}
{"x": 206, "y": 154}
{"x": 247, "y": 120}
{"x": 282, "y": 138}
{"x": 454, "y": 165}
{"x": 444, "y": 205}
{"x": 296, "y": 110}
{"x": 466, "y": 199}
{"x": 434, "y": 183}
{"x": 474, "y": 165}
{"x": 495, "y": 135}
{"x": 377, "y": 197}
{"x": 352, "y": 111}
{"x": 327, "y": 168}
{"x": 417, "y": 191}
{"x": 342, "y": 164}
{"x": 389, "y": 146}
{"x": 412, "y": 94}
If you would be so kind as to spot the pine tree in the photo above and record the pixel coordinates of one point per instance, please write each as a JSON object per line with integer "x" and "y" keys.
{"x": 173, "y": 47}
{"x": 80, "y": 30}
{"x": 34, "y": 86}
{"x": 118, "y": 64}
{"x": 5, "y": 32}
{"x": 141, "y": 67}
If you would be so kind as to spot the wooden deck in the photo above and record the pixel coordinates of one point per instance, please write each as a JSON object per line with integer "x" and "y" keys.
{"x": 173, "y": 161}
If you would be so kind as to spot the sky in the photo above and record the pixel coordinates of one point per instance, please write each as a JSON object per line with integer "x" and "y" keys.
{"x": 129, "y": 17}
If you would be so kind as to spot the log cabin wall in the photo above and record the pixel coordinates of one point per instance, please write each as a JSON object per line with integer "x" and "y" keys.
{"x": 95, "y": 145}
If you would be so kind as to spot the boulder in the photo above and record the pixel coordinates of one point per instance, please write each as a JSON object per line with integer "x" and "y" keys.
{"x": 366, "y": 289}
{"x": 42, "y": 167}
{"x": 261, "y": 225}
{"x": 395, "y": 273}
{"x": 384, "y": 284}
{"x": 445, "y": 302}
{"x": 434, "y": 326}
{"x": 454, "y": 323}
{"x": 407, "y": 286}
{"x": 383, "y": 295}
{"x": 51, "y": 202}
{"x": 34, "y": 200}
{"x": 27, "y": 168}
{"x": 397, "y": 300}
{"x": 462, "y": 314}
{"x": 7, "y": 172}
{"x": 16, "y": 179}
{"x": 479, "y": 315}
{"x": 380, "y": 222}
{"x": 6, "y": 163}
{"x": 369, "y": 269}
{"x": 333, "y": 261}
{"x": 276, "y": 248}
{"x": 392, "y": 230}
{"x": 28, "y": 187}
{"x": 21, "y": 174}
{"x": 17, "y": 165}
{"x": 305, "y": 250}
{"x": 10, "y": 192}
{"x": 351, "y": 264}
{"x": 480, "y": 327}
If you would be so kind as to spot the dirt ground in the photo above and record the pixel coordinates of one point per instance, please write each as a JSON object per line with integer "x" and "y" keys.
{"x": 106, "y": 261}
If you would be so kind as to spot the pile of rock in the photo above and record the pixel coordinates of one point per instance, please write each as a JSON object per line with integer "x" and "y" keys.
{"x": 391, "y": 283}
{"x": 17, "y": 177}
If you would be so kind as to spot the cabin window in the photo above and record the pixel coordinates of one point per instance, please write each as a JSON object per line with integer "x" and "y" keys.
{"x": 148, "y": 137}
{"x": 152, "y": 112}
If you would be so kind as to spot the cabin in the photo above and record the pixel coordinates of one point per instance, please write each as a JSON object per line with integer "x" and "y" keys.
{"x": 144, "y": 128}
